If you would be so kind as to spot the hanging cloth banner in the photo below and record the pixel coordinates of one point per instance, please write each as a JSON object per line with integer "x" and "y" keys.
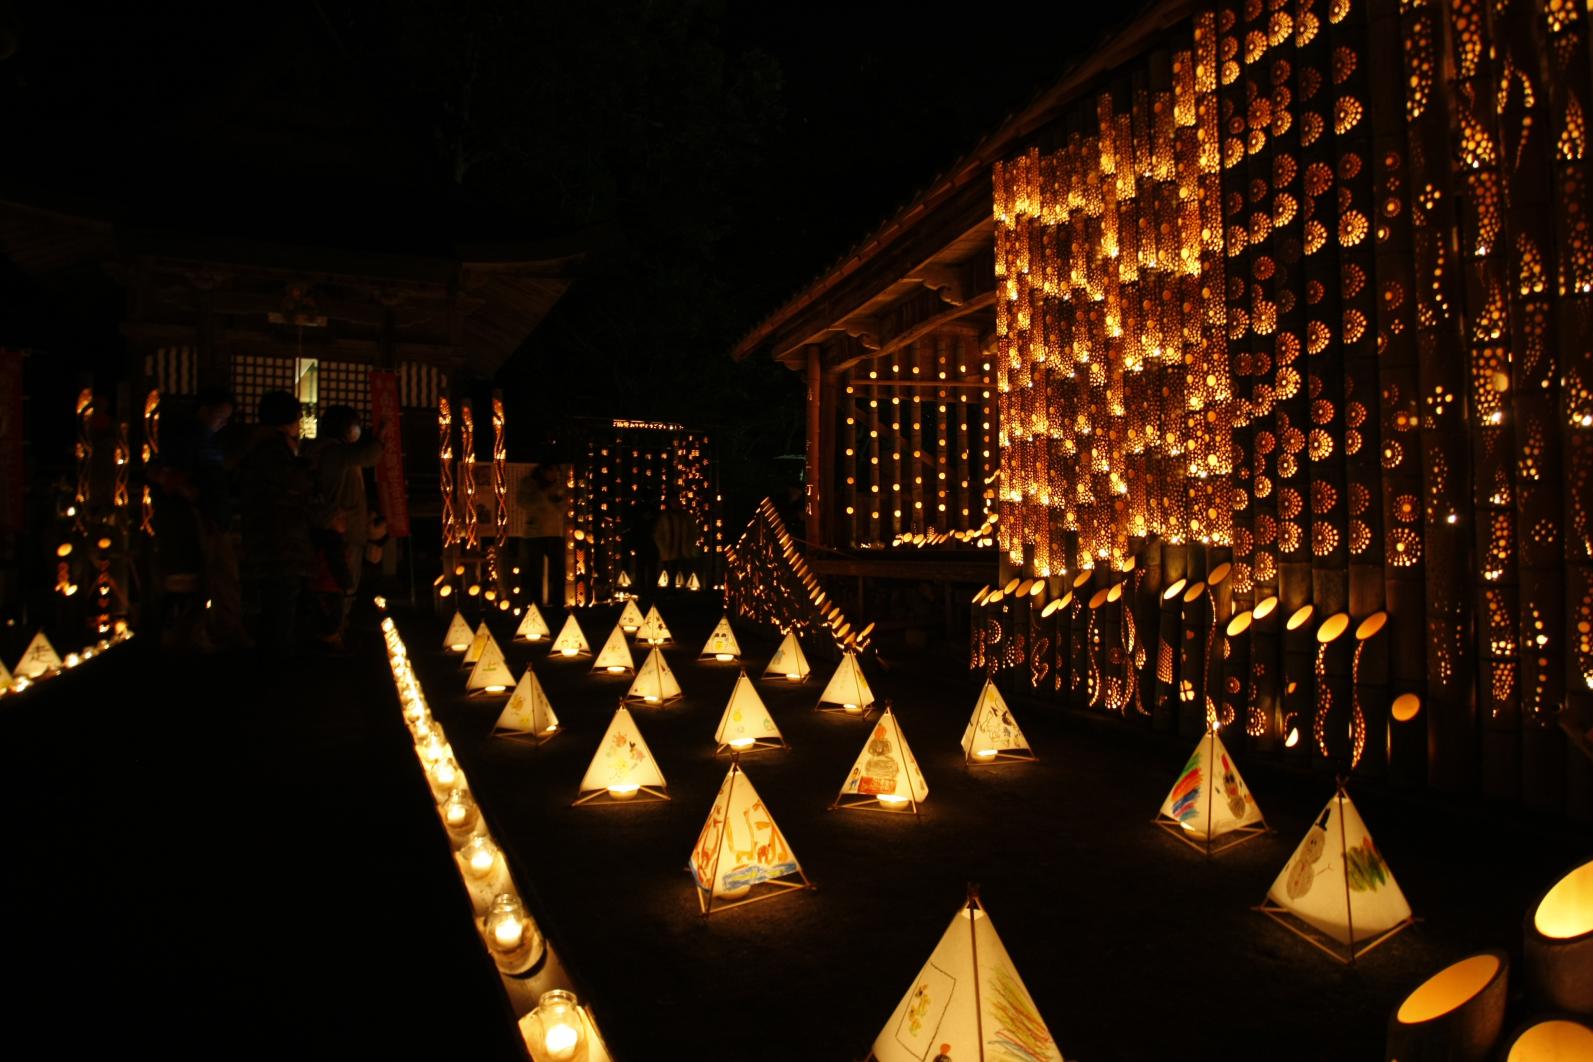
{"x": 386, "y": 423}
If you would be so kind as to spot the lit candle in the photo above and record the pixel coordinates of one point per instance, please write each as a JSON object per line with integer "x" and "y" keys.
{"x": 551, "y": 728}
{"x": 985, "y": 754}
{"x": 567, "y": 651}
{"x": 651, "y": 700}
{"x": 852, "y": 709}
{"x": 508, "y": 933}
{"x": 742, "y": 742}
{"x": 460, "y": 647}
{"x": 481, "y": 862}
{"x": 444, "y": 774}
{"x": 615, "y": 669}
{"x": 561, "y": 1041}
{"x": 496, "y": 689}
{"x": 891, "y": 800}
{"x": 623, "y": 790}
{"x": 723, "y": 657}
{"x": 792, "y": 675}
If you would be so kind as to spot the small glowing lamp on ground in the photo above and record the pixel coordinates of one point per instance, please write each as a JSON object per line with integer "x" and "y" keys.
{"x": 556, "y": 1030}
{"x": 459, "y": 810}
{"x": 1557, "y": 944}
{"x": 1457, "y": 1013}
{"x": 512, "y": 938}
{"x": 480, "y": 857}
{"x": 743, "y": 742}
{"x": 623, "y": 790}
{"x": 1556, "y": 1040}
{"x": 892, "y": 801}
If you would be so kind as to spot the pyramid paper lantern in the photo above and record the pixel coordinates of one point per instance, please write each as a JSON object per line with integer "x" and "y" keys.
{"x": 491, "y": 675}
{"x": 721, "y": 644}
{"x": 741, "y": 847}
{"x": 529, "y": 714}
{"x": 623, "y": 766}
{"x": 663, "y": 580}
{"x": 458, "y": 638}
{"x": 992, "y": 735}
{"x": 533, "y": 628}
{"x": 847, "y": 690}
{"x": 788, "y": 662}
{"x": 746, "y": 724}
{"x": 1210, "y": 801}
{"x": 693, "y": 583}
{"x": 967, "y": 1003}
{"x": 571, "y": 640}
{"x": 653, "y": 630}
{"x": 886, "y": 776}
{"x": 477, "y": 646}
{"x": 615, "y": 657}
{"x": 630, "y": 617}
{"x": 5, "y": 677}
{"x": 654, "y": 684}
{"x": 624, "y": 580}
{"x": 1336, "y": 891}
{"x": 680, "y": 581}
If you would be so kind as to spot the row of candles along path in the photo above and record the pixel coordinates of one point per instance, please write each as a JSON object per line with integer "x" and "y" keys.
{"x": 41, "y": 662}
{"x": 559, "y": 1028}
{"x": 1419, "y": 1011}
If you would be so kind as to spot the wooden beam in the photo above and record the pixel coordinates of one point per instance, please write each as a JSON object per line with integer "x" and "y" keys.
{"x": 920, "y": 330}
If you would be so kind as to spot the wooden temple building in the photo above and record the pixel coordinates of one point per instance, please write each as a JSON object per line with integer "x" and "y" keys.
{"x": 1265, "y": 337}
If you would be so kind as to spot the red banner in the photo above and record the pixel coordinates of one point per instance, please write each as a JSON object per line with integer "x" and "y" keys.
{"x": 12, "y": 481}
{"x": 386, "y": 422}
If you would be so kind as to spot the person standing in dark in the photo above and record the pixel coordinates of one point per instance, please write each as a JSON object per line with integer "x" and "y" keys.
{"x": 277, "y": 491}
{"x": 193, "y": 522}
{"x": 341, "y": 515}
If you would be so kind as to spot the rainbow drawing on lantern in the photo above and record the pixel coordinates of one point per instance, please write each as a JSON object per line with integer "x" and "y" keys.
{"x": 1021, "y": 1033}
{"x": 1187, "y": 790}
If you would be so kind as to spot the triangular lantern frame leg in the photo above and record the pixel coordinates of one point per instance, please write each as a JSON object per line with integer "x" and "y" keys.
{"x": 868, "y": 802}
{"x": 644, "y": 795}
{"x": 862, "y": 713}
{"x": 763, "y": 744}
{"x": 525, "y": 737}
{"x": 1212, "y": 844}
{"x": 1338, "y": 950}
{"x": 1001, "y": 756}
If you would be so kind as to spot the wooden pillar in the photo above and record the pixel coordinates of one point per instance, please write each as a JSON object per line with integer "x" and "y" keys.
{"x": 816, "y": 493}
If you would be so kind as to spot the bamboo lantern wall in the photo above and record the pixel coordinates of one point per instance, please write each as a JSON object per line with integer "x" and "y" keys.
{"x": 915, "y": 453}
{"x": 1308, "y": 292}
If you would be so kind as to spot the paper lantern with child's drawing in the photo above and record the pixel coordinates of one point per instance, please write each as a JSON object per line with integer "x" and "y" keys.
{"x": 885, "y": 776}
{"x": 1211, "y": 801}
{"x": 655, "y": 683}
{"x": 654, "y": 631}
{"x": 615, "y": 656}
{"x": 459, "y": 635}
{"x": 1336, "y": 891}
{"x": 491, "y": 675}
{"x": 478, "y": 645}
{"x": 745, "y": 724}
{"x": 847, "y": 690}
{"x": 741, "y": 848}
{"x": 721, "y": 644}
{"x": 788, "y": 661}
{"x": 992, "y": 735}
{"x": 623, "y": 767}
{"x": 967, "y": 1003}
{"x": 571, "y": 640}
{"x": 630, "y": 616}
{"x": 533, "y": 628}
{"x": 529, "y": 712}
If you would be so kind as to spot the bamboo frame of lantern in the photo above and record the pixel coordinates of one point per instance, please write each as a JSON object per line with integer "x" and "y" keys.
{"x": 147, "y": 453}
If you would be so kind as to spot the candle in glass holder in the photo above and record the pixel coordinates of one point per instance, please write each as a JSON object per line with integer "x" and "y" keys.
{"x": 481, "y": 858}
{"x": 508, "y": 933}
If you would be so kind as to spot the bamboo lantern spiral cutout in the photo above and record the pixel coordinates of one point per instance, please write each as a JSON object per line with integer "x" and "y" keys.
{"x": 1557, "y": 945}
{"x": 1455, "y": 1015}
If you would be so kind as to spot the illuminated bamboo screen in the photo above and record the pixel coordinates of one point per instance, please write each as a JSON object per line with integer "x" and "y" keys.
{"x": 916, "y": 452}
{"x": 634, "y": 470}
{"x": 768, "y": 581}
{"x": 1307, "y": 296}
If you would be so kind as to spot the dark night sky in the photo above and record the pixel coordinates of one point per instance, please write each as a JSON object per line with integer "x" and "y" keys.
{"x": 717, "y": 155}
